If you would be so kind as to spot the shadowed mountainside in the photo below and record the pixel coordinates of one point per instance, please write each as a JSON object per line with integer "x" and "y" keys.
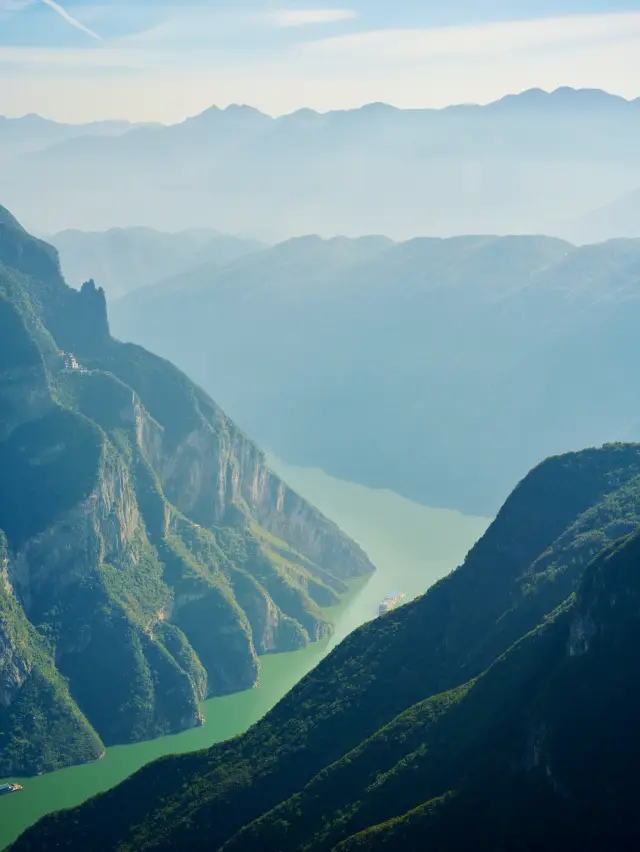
{"x": 499, "y": 709}
{"x": 148, "y": 556}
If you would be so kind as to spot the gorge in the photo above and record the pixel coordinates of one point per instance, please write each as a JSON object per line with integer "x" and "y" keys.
{"x": 412, "y": 547}
{"x": 148, "y": 556}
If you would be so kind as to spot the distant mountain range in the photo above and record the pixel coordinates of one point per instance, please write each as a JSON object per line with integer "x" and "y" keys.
{"x": 618, "y": 218}
{"x": 124, "y": 259}
{"x": 527, "y": 163}
{"x": 33, "y": 133}
{"x": 442, "y": 369}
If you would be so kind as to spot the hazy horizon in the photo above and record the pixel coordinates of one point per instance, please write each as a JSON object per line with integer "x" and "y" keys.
{"x": 321, "y": 112}
{"x": 296, "y": 296}
{"x": 82, "y": 61}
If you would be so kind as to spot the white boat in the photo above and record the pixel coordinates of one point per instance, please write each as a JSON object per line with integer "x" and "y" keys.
{"x": 390, "y": 602}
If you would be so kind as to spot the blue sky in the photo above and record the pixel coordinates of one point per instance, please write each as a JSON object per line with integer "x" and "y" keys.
{"x": 80, "y": 60}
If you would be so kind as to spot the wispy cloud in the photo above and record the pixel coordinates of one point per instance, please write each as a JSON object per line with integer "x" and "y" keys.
{"x": 196, "y": 56}
{"x": 8, "y": 6}
{"x": 304, "y": 17}
{"x": 466, "y": 42}
{"x": 195, "y": 26}
{"x": 59, "y": 10}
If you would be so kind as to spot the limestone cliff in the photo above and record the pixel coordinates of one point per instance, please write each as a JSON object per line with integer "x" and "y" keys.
{"x": 150, "y": 555}
{"x": 41, "y": 727}
{"x": 501, "y": 706}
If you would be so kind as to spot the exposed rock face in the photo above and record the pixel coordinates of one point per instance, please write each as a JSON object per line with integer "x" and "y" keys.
{"x": 14, "y": 667}
{"x": 161, "y": 557}
{"x": 506, "y": 698}
{"x": 101, "y": 528}
{"x": 205, "y": 476}
{"x": 34, "y": 701}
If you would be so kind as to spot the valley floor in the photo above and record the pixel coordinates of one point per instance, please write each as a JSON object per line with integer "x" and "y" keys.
{"x": 412, "y": 547}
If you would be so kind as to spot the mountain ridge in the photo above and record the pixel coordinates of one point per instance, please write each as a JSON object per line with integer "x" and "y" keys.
{"x": 125, "y": 259}
{"x": 148, "y": 555}
{"x": 450, "y": 715}
{"x": 526, "y": 96}
{"x": 376, "y": 169}
{"x": 619, "y": 218}
{"x": 454, "y": 346}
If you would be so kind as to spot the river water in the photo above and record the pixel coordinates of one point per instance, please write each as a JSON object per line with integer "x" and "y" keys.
{"x": 412, "y": 546}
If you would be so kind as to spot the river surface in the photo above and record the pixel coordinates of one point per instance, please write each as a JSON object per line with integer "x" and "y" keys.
{"x": 412, "y": 546}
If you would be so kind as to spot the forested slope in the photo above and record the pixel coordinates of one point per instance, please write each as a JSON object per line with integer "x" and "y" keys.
{"x": 148, "y": 555}
{"x": 471, "y": 714}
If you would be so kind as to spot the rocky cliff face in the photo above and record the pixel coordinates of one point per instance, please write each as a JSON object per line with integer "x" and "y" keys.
{"x": 41, "y": 727}
{"x": 150, "y": 555}
{"x": 502, "y": 705}
{"x": 14, "y": 666}
{"x": 210, "y": 472}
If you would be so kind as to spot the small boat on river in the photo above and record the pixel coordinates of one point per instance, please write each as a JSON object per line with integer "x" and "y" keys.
{"x": 390, "y": 602}
{"x": 9, "y": 788}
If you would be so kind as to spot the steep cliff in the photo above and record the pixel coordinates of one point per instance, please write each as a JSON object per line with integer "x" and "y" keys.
{"x": 150, "y": 555}
{"x": 498, "y": 711}
{"x": 41, "y": 727}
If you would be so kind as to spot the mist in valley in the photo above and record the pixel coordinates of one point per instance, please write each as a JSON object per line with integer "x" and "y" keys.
{"x": 319, "y": 425}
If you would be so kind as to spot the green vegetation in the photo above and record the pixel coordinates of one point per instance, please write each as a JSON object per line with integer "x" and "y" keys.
{"x": 500, "y": 706}
{"x": 41, "y": 728}
{"x": 48, "y": 466}
{"x": 148, "y": 557}
{"x": 145, "y": 560}
{"x": 17, "y": 349}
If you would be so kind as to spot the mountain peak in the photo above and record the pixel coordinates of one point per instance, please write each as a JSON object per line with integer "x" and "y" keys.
{"x": 587, "y": 97}
{"x": 99, "y": 431}
{"x": 235, "y": 111}
{"x": 242, "y": 109}
{"x": 20, "y": 251}
{"x": 7, "y": 219}
{"x": 378, "y": 107}
{"x": 563, "y": 97}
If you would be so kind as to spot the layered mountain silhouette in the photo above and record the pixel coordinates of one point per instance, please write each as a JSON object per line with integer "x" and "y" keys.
{"x": 124, "y": 259}
{"x": 518, "y": 165}
{"x": 618, "y": 218}
{"x": 148, "y": 556}
{"x": 441, "y": 369}
{"x": 32, "y": 133}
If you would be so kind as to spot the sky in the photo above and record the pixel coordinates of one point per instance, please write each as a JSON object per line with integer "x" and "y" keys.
{"x": 144, "y": 60}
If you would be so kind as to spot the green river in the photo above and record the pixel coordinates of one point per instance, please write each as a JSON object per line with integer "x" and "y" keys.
{"x": 412, "y": 546}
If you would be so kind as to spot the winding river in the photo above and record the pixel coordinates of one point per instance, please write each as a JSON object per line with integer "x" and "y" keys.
{"x": 412, "y": 547}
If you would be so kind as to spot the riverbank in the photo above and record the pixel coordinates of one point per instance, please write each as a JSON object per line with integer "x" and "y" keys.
{"x": 412, "y": 546}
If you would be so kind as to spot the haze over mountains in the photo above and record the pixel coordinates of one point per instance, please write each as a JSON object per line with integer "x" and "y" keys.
{"x": 618, "y": 218}
{"x": 534, "y": 162}
{"x": 149, "y": 557}
{"x": 147, "y": 554}
{"x": 33, "y": 133}
{"x": 124, "y": 259}
{"x": 441, "y": 369}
